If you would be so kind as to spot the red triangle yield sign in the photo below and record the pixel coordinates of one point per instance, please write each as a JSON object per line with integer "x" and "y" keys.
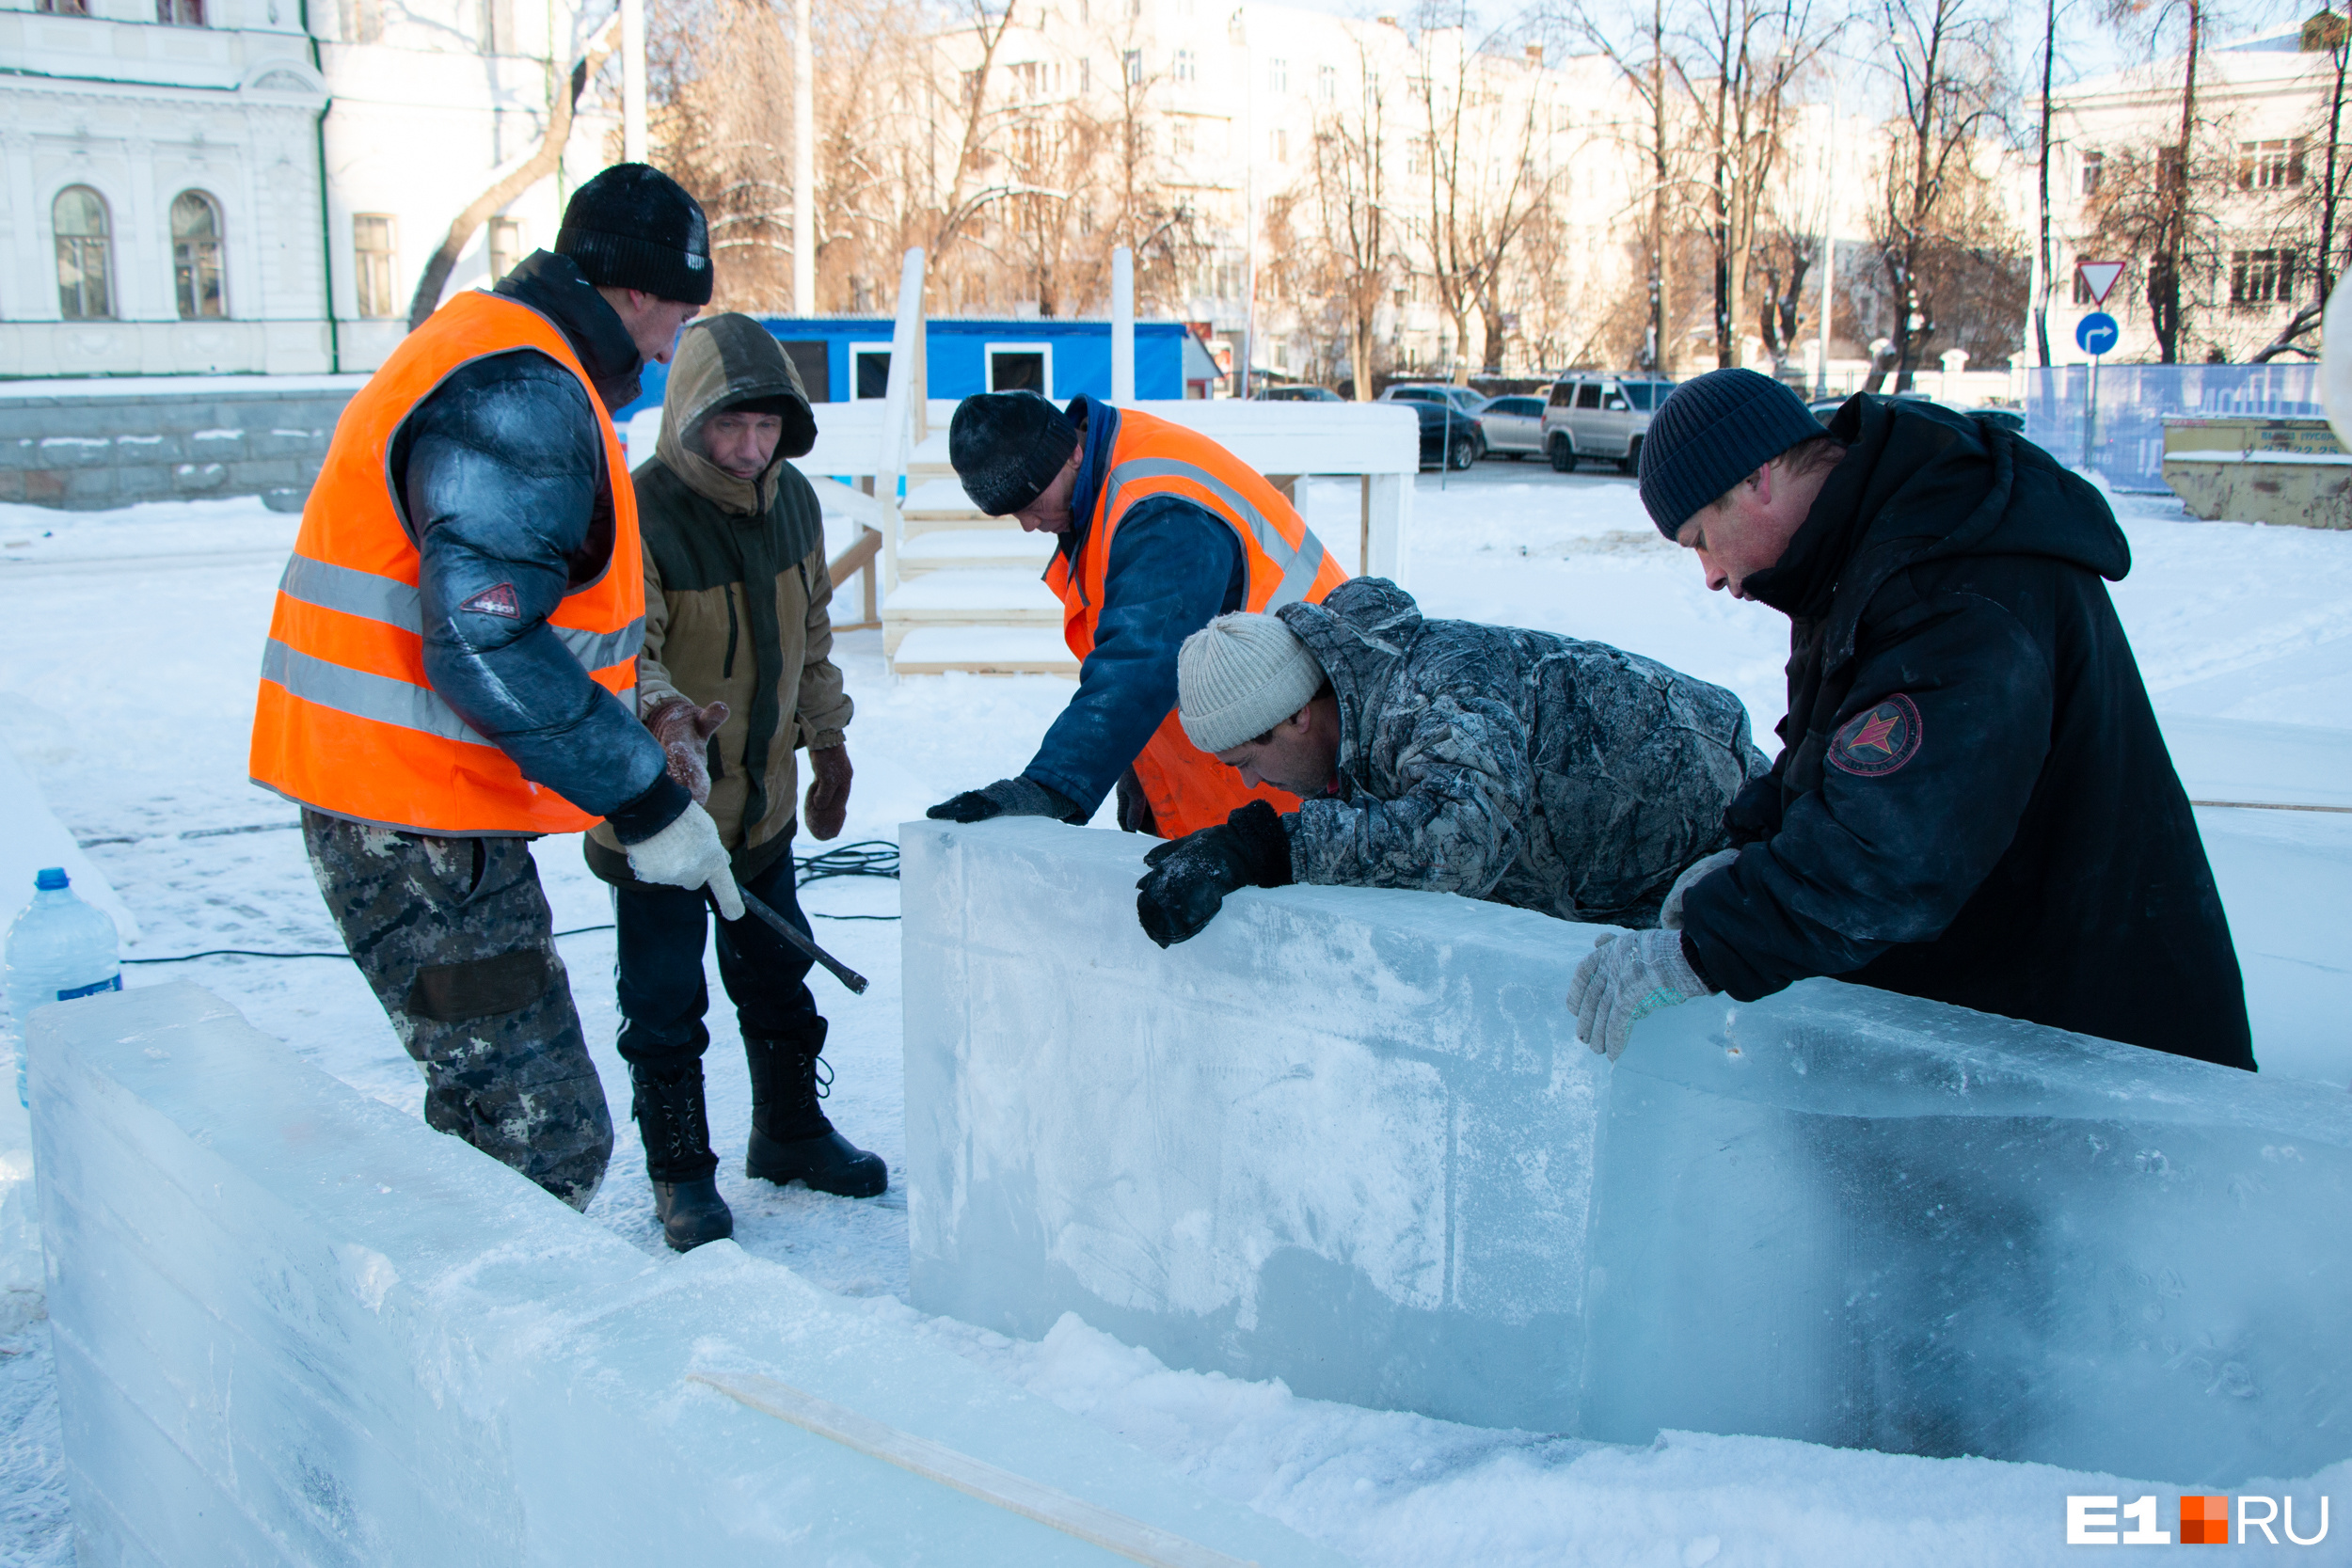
{"x": 2098, "y": 278}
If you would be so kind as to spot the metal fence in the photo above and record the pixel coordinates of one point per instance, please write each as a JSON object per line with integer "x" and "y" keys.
{"x": 2124, "y": 440}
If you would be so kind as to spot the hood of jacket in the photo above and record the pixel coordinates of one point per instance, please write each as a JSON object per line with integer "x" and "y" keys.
{"x": 1359, "y": 634}
{"x": 556, "y": 287}
{"x": 721, "y": 362}
{"x": 1920, "y": 483}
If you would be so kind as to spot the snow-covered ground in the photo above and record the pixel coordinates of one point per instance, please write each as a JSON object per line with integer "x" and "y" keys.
{"x": 127, "y": 689}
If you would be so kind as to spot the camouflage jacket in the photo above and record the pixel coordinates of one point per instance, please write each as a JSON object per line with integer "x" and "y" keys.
{"x": 1521, "y": 767}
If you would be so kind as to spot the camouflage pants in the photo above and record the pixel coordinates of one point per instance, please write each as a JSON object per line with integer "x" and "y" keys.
{"x": 454, "y": 936}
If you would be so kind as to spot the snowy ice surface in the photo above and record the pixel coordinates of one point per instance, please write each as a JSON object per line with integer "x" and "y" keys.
{"x": 292, "y": 1325}
{"x": 126, "y": 688}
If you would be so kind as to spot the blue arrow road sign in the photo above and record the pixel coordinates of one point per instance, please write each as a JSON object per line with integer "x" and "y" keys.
{"x": 2097, "y": 332}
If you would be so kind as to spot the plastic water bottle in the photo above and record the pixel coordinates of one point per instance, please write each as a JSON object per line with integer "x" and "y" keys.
{"x": 59, "y": 948}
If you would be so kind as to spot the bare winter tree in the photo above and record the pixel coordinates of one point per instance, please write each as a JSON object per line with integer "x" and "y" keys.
{"x": 2318, "y": 209}
{"x": 1482, "y": 119}
{"x": 1945, "y": 58}
{"x": 1344, "y": 242}
{"x": 1742, "y": 59}
{"x": 1646, "y": 65}
{"x": 564, "y": 92}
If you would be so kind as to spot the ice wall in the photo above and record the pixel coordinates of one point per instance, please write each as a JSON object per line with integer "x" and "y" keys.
{"x": 1347, "y": 1138}
{"x": 295, "y": 1325}
{"x": 1341, "y": 1137}
{"x": 1858, "y": 1218}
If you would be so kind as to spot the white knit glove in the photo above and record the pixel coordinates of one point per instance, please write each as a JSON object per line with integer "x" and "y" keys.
{"x": 688, "y": 853}
{"x": 1670, "y": 913}
{"x": 1627, "y": 976}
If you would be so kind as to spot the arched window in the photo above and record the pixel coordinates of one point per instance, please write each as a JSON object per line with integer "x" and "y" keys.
{"x": 195, "y": 255}
{"x": 85, "y": 255}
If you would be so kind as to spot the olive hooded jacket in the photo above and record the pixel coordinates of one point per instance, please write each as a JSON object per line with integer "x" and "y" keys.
{"x": 736, "y": 594}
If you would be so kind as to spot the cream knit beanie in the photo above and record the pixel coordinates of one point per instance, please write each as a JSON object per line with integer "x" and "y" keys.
{"x": 1239, "y": 676}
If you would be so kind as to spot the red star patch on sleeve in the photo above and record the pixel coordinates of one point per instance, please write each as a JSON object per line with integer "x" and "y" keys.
{"x": 1877, "y": 740}
{"x": 496, "y": 601}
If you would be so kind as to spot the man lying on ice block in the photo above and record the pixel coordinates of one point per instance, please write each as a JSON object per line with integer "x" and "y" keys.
{"x": 1521, "y": 767}
{"x": 1973, "y": 803}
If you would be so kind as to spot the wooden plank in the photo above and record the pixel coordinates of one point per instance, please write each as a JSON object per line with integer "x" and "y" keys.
{"x": 935, "y": 1461}
{"x": 857, "y": 558}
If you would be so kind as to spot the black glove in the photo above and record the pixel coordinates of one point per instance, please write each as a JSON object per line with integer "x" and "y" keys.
{"x": 1007, "y": 797}
{"x": 1190, "y": 876}
{"x": 1135, "y": 809}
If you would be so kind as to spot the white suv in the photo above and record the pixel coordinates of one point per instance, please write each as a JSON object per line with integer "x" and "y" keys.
{"x": 1594, "y": 416}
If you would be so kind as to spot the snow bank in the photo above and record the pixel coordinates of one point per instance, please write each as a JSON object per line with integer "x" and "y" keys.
{"x": 294, "y": 1324}
{"x": 1347, "y": 1138}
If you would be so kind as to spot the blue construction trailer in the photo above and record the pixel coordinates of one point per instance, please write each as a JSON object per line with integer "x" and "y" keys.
{"x": 845, "y": 358}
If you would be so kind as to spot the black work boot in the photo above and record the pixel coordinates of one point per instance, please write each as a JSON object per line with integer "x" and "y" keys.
{"x": 791, "y": 1140}
{"x": 668, "y": 1105}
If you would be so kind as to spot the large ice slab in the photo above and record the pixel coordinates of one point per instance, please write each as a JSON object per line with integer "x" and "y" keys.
{"x": 1347, "y": 1138}
{"x": 1340, "y": 1138}
{"x": 295, "y": 1325}
{"x": 1858, "y": 1218}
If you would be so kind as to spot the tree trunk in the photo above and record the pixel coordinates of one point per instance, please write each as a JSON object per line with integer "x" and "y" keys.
{"x": 541, "y": 164}
{"x": 1660, "y": 281}
{"x": 2164, "y": 274}
{"x": 2041, "y": 305}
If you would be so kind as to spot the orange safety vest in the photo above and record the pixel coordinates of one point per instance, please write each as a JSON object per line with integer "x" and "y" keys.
{"x": 1189, "y": 789}
{"x": 346, "y": 721}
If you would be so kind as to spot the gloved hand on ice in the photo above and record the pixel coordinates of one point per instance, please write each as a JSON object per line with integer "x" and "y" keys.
{"x": 1190, "y": 876}
{"x": 1006, "y": 798}
{"x": 828, "y": 803}
{"x": 684, "y": 730}
{"x": 688, "y": 853}
{"x": 1627, "y": 976}
{"x": 1670, "y": 913}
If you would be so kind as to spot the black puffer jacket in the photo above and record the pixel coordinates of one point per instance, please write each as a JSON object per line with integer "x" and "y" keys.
{"x": 500, "y": 471}
{"x": 1531, "y": 769}
{"x": 1973, "y": 802}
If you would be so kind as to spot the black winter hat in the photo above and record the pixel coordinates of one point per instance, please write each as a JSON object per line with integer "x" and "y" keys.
{"x": 1711, "y": 433}
{"x": 633, "y": 227}
{"x": 1006, "y": 447}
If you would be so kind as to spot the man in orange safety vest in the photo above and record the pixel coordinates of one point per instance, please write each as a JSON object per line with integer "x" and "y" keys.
{"x": 1159, "y": 531}
{"x": 451, "y": 668}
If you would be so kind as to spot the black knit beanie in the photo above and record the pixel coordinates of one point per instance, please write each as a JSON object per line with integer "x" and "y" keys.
{"x": 1711, "y": 433}
{"x": 633, "y": 227}
{"x": 1006, "y": 447}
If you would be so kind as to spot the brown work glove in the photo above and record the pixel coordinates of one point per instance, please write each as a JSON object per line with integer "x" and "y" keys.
{"x": 827, "y": 792}
{"x": 684, "y": 730}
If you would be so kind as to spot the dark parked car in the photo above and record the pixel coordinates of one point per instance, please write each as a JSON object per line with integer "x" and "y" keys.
{"x": 1296, "y": 394}
{"x": 1449, "y": 438}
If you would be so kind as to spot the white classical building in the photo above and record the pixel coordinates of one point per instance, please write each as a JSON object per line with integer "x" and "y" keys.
{"x": 219, "y": 187}
{"x": 2263, "y": 109}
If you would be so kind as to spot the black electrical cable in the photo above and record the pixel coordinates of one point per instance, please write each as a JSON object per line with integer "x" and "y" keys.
{"x": 871, "y": 857}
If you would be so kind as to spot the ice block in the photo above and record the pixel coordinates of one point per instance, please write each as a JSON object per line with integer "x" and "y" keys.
{"x": 295, "y": 1325}
{"x": 1347, "y": 1138}
{"x": 1864, "y": 1219}
{"x": 1342, "y": 1137}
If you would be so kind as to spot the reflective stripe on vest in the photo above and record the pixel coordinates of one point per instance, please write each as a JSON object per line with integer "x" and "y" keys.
{"x": 1283, "y": 562}
{"x": 1299, "y": 563}
{"x": 347, "y": 720}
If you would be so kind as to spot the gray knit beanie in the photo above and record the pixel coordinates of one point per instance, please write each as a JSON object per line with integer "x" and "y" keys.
{"x": 1711, "y": 433}
{"x": 1239, "y": 676}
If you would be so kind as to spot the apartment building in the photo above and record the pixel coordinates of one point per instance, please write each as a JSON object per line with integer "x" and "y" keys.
{"x": 222, "y": 187}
